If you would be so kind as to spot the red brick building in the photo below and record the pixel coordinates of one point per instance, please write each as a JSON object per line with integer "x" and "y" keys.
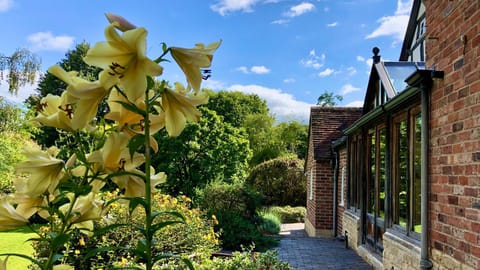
{"x": 402, "y": 182}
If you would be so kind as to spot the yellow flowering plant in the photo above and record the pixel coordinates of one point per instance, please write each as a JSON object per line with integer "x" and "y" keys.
{"x": 67, "y": 193}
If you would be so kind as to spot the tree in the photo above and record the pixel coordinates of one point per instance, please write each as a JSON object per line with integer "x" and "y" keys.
{"x": 234, "y": 107}
{"x": 293, "y": 135}
{"x": 328, "y": 99}
{"x": 21, "y": 68}
{"x": 205, "y": 151}
{"x": 281, "y": 181}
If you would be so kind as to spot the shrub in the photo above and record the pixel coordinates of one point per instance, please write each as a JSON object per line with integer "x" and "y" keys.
{"x": 280, "y": 181}
{"x": 246, "y": 261}
{"x": 235, "y": 206}
{"x": 289, "y": 214}
{"x": 270, "y": 222}
{"x": 196, "y": 236}
{"x": 11, "y": 144}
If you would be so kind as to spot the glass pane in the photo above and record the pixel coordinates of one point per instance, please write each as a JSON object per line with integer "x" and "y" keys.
{"x": 417, "y": 225}
{"x": 402, "y": 185}
{"x": 371, "y": 180}
{"x": 399, "y": 71}
{"x": 382, "y": 173}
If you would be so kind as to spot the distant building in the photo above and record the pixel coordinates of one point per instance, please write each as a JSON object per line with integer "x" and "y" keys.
{"x": 400, "y": 177}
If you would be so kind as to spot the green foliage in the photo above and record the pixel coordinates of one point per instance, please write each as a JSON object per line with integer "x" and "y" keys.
{"x": 328, "y": 99}
{"x": 21, "y": 66}
{"x": 294, "y": 138}
{"x": 281, "y": 181}
{"x": 205, "y": 151}
{"x": 289, "y": 214}
{"x": 195, "y": 236}
{"x": 234, "y": 107}
{"x": 235, "y": 207}
{"x": 246, "y": 260}
{"x": 271, "y": 222}
{"x": 14, "y": 133}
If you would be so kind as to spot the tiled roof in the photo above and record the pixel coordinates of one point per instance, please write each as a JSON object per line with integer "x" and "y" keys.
{"x": 326, "y": 126}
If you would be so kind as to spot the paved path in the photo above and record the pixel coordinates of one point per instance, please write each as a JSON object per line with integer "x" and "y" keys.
{"x": 305, "y": 253}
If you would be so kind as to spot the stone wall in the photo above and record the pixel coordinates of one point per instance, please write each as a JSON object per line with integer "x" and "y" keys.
{"x": 400, "y": 253}
{"x": 453, "y": 46}
{"x": 351, "y": 225}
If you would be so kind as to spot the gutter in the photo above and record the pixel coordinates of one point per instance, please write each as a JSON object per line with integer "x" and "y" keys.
{"x": 423, "y": 80}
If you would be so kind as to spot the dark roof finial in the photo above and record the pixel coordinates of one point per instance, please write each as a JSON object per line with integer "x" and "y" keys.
{"x": 376, "y": 56}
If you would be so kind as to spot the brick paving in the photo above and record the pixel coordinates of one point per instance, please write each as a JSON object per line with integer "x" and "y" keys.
{"x": 306, "y": 253}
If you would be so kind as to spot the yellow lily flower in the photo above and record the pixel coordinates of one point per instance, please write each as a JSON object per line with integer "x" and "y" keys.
{"x": 54, "y": 112}
{"x": 124, "y": 57}
{"x": 82, "y": 95}
{"x": 85, "y": 210}
{"x": 178, "y": 107}
{"x": 121, "y": 24}
{"x": 135, "y": 186}
{"x": 9, "y": 217}
{"x": 191, "y": 60}
{"x": 44, "y": 169}
{"x": 28, "y": 206}
{"x": 114, "y": 155}
{"x": 131, "y": 123}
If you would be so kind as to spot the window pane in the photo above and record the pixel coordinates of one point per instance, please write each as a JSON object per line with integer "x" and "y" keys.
{"x": 417, "y": 225}
{"x": 371, "y": 180}
{"x": 402, "y": 185}
{"x": 382, "y": 172}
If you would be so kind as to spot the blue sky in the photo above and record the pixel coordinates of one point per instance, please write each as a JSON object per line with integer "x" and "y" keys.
{"x": 287, "y": 51}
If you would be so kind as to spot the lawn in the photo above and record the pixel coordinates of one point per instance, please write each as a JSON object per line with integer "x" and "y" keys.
{"x": 15, "y": 242}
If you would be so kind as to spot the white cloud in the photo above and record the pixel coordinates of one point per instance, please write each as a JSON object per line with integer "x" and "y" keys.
{"x": 223, "y": 7}
{"x": 332, "y": 24}
{"x": 356, "y": 103}
{"x": 395, "y": 25}
{"x": 243, "y": 69}
{"x": 259, "y": 70}
{"x": 360, "y": 58}
{"x": 282, "y": 105}
{"x": 299, "y": 9}
{"x": 289, "y": 80}
{"x": 5, "y": 5}
{"x": 326, "y": 72}
{"x": 46, "y": 41}
{"x": 313, "y": 60}
{"x": 280, "y": 21}
{"x": 254, "y": 69}
{"x": 351, "y": 71}
{"x": 348, "y": 88}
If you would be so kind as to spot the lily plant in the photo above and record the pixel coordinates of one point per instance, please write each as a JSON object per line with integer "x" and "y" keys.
{"x": 66, "y": 193}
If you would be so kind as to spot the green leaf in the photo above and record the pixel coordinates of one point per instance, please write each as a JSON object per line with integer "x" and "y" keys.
{"x": 132, "y": 108}
{"x": 188, "y": 263}
{"x": 135, "y": 143}
{"x": 22, "y": 256}
{"x": 134, "y": 202}
{"x": 141, "y": 249}
{"x": 59, "y": 240}
{"x": 172, "y": 213}
{"x": 150, "y": 82}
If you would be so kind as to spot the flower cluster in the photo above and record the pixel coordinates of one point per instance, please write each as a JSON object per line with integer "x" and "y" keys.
{"x": 66, "y": 192}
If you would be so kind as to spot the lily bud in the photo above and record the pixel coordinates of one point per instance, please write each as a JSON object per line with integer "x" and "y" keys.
{"x": 119, "y": 22}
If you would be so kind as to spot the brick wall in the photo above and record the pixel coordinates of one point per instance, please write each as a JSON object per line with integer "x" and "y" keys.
{"x": 326, "y": 125}
{"x": 453, "y": 45}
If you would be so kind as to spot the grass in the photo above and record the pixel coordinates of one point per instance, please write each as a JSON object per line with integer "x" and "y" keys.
{"x": 14, "y": 241}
